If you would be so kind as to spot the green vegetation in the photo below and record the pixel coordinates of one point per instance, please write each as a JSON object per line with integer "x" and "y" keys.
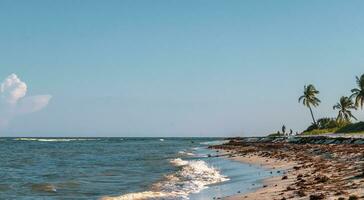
{"x": 339, "y": 128}
{"x": 309, "y": 98}
{"x": 324, "y": 125}
{"x": 320, "y": 131}
{"x": 352, "y": 128}
{"x": 342, "y": 123}
{"x": 358, "y": 93}
{"x": 344, "y": 107}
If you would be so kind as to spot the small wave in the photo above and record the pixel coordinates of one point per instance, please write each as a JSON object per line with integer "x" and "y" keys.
{"x": 186, "y": 153}
{"x": 192, "y": 177}
{"x": 162, "y": 140}
{"x": 52, "y": 139}
{"x": 216, "y": 142}
{"x": 141, "y": 196}
{"x": 178, "y": 162}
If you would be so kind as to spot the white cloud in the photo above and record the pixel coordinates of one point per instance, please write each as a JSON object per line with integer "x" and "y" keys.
{"x": 13, "y": 89}
{"x": 14, "y": 102}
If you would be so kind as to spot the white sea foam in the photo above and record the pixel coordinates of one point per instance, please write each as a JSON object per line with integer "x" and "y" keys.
{"x": 162, "y": 140}
{"x": 178, "y": 162}
{"x": 142, "y": 196}
{"x": 186, "y": 153}
{"x": 192, "y": 177}
{"x": 53, "y": 139}
{"x": 216, "y": 142}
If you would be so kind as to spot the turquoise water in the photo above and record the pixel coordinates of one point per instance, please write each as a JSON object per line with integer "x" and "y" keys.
{"x": 93, "y": 168}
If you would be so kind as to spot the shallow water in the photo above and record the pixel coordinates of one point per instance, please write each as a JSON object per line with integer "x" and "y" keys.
{"x": 243, "y": 178}
{"x": 91, "y": 168}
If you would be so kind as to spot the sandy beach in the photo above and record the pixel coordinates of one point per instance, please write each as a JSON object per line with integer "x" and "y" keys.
{"x": 305, "y": 171}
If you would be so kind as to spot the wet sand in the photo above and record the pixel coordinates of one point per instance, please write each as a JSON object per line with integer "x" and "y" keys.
{"x": 309, "y": 171}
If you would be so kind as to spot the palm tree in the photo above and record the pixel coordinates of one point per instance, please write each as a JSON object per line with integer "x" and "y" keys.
{"x": 309, "y": 99}
{"x": 344, "y": 107}
{"x": 358, "y": 93}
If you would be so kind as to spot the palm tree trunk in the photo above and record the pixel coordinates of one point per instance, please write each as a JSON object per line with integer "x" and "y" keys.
{"x": 313, "y": 118}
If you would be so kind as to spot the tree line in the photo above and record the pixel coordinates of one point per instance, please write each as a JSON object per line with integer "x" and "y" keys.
{"x": 344, "y": 106}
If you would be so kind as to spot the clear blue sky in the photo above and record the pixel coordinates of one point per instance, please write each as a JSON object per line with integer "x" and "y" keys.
{"x": 178, "y": 68}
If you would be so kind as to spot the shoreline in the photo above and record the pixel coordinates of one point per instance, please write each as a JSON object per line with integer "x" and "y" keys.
{"x": 272, "y": 184}
{"x": 194, "y": 177}
{"x": 307, "y": 171}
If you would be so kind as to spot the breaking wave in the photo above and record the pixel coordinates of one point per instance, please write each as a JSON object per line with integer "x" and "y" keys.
{"x": 216, "y": 142}
{"x": 186, "y": 153}
{"x": 53, "y": 139}
{"x": 192, "y": 177}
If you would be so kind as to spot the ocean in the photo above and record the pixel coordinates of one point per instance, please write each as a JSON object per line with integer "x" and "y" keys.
{"x": 120, "y": 169}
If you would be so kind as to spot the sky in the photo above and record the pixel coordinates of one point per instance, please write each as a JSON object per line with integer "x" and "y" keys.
{"x": 173, "y": 68}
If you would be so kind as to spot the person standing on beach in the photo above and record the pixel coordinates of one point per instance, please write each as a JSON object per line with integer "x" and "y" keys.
{"x": 284, "y": 130}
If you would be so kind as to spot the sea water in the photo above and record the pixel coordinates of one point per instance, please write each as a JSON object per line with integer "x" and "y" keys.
{"x": 120, "y": 168}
